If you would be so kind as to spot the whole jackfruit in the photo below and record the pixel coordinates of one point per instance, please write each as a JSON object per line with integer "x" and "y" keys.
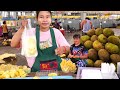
{"x": 90, "y": 63}
{"x": 98, "y": 63}
{"x": 114, "y": 40}
{"x": 102, "y": 38}
{"x": 88, "y": 44}
{"x": 103, "y": 55}
{"x": 84, "y": 38}
{"x": 91, "y": 32}
{"x": 94, "y": 37}
{"x": 98, "y": 31}
{"x": 115, "y": 58}
{"x": 112, "y": 48}
{"x": 92, "y": 54}
{"x": 108, "y": 32}
{"x": 97, "y": 45}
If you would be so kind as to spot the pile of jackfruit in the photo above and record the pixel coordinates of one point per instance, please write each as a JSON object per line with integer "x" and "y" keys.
{"x": 103, "y": 46}
{"x": 67, "y": 66}
{"x": 13, "y": 71}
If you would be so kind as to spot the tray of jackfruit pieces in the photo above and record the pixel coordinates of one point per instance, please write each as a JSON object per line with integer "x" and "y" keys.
{"x": 8, "y": 58}
{"x": 8, "y": 71}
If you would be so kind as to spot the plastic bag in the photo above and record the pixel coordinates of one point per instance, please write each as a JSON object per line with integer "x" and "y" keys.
{"x": 29, "y": 44}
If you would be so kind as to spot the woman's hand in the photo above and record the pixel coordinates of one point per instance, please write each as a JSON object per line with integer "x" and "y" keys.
{"x": 24, "y": 23}
{"x": 76, "y": 56}
{"x": 59, "y": 51}
{"x": 15, "y": 42}
{"x": 70, "y": 56}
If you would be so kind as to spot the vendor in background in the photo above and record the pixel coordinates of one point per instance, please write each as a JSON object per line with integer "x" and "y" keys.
{"x": 48, "y": 58}
{"x": 86, "y": 25}
{"x": 56, "y": 24}
{"x": 78, "y": 53}
{"x": 1, "y": 31}
{"x": 5, "y": 30}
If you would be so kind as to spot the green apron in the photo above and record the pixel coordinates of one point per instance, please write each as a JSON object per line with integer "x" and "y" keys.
{"x": 47, "y": 54}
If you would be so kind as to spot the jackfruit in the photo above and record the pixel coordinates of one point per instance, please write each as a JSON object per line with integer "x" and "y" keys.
{"x": 115, "y": 58}
{"x": 88, "y": 44}
{"x": 108, "y": 32}
{"x": 112, "y": 48}
{"x": 94, "y": 37}
{"x": 97, "y": 45}
{"x": 114, "y": 40}
{"x": 98, "y": 31}
{"x": 91, "y": 32}
{"x": 98, "y": 63}
{"x": 103, "y": 55}
{"x": 84, "y": 38}
{"x": 92, "y": 54}
{"x": 102, "y": 38}
{"x": 90, "y": 63}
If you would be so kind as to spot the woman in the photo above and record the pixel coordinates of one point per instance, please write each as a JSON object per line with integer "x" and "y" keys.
{"x": 48, "y": 58}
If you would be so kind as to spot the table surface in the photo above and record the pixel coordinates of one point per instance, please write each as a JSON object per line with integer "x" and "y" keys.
{"x": 75, "y": 76}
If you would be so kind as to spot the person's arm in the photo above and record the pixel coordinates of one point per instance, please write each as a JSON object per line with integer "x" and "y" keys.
{"x": 82, "y": 23}
{"x": 62, "y": 50}
{"x": 63, "y": 45}
{"x": 76, "y": 56}
{"x": 91, "y": 25}
{"x": 84, "y": 55}
{"x": 15, "y": 42}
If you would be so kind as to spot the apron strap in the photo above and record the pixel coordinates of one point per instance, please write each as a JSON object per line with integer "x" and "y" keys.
{"x": 55, "y": 46}
{"x": 53, "y": 38}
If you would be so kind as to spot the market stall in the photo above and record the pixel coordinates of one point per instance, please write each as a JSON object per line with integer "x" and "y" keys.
{"x": 9, "y": 70}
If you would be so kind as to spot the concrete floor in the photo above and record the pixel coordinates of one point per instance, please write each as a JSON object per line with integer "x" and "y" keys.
{"x": 21, "y": 59}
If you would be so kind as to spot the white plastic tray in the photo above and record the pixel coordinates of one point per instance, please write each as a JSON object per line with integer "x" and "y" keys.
{"x": 78, "y": 76}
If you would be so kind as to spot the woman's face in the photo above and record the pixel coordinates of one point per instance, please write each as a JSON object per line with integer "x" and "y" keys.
{"x": 44, "y": 19}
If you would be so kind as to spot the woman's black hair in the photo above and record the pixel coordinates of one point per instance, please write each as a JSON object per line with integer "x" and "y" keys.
{"x": 37, "y": 13}
{"x": 76, "y": 36}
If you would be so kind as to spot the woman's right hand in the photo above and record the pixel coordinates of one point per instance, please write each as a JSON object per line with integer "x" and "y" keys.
{"x": 24, "y": 23}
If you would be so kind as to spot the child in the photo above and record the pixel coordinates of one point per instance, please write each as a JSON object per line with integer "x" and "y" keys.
{"x": 78, "y": 53}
